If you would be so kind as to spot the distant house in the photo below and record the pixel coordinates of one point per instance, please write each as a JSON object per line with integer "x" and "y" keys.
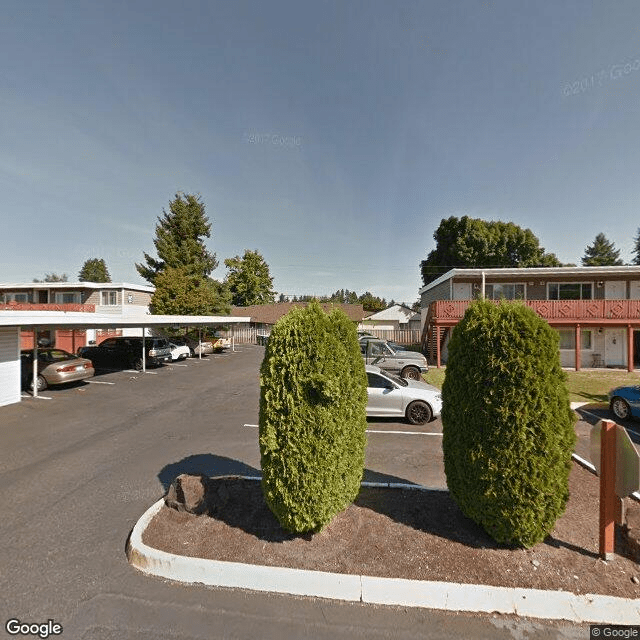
{"x": 394, "y": 318}
{"x": 264, "y": 316}
{"x": 93, "y": 297}
{"x": 596, "y": 310}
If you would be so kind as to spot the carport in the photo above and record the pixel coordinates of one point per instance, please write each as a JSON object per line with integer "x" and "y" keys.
{"x": 11, "y": 322}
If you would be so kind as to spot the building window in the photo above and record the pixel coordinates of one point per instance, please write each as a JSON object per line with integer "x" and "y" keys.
{"x": 570, "y": 291}
{"x": 504, "y": 291}
{"x": 67, "y": 297}
{"x": 568, "y": 339}
{"x": 16, "y": 297}
{"x": 109, "y": 298}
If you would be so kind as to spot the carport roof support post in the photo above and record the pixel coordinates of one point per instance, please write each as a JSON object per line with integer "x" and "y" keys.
{"x": 144, "y": 355}
{"x": 35, "y": 363}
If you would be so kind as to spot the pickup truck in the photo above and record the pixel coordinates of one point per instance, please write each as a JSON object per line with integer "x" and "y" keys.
{"x": 407, "y": 364}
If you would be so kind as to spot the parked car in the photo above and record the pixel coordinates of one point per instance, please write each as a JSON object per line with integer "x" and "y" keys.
{"x": 219, "y": 343}
{"x": 179, "y": 351}
{"x": 408, "y": 364}
{"x": 127, "y": 352}
{"x": 195, "y": 348}
{"x": 55, "y": 366}
{"x": 392, "y": 396}
{"x": 624, "y": 402}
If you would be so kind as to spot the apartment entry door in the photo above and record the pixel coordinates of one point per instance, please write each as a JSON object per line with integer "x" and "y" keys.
{"x": 615, "y": 350}
{"x": 615, "y": 290}
{"x": 462, "y": 291}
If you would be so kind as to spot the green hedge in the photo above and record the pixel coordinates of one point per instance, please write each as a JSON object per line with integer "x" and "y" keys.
{"x": 508, "y": 429}
{"x": 313, "y": 396}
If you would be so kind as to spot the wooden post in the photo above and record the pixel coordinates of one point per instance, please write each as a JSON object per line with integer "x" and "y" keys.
{"x": 608, "y": 498}
{"x": 578, "y": 347}
{"x": 438, "y": 346}
{"x": 629, "y": 348}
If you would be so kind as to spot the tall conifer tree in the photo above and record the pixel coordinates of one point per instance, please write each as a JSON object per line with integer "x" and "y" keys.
{"x": 602, "y": 253}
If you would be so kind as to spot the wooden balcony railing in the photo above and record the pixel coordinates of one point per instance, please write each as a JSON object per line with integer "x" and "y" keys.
{"x": 28, "y": 306}
{"x": 449, "y": 312}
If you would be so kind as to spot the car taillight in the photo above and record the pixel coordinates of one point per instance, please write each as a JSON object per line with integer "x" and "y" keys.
{"x": 88, "y": 365}
{"x": 71, "y": 367}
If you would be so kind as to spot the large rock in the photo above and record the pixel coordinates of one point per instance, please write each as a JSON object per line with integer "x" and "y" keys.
{"x": 188, "y": 493}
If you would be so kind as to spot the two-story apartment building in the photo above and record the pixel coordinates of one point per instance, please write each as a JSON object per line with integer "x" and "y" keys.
{"x": 596, "y": 310}
{"x": 102, "y": 298}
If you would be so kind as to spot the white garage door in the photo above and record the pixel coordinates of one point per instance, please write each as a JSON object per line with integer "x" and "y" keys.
{"x": 9, "y": 365}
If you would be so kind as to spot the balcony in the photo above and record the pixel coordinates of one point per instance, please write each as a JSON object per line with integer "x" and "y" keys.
{"x": 29, "y": 306}
{"x": 555, "y": 312}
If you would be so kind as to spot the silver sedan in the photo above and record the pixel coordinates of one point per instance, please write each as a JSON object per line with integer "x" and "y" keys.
{"x": 391, "y": 396}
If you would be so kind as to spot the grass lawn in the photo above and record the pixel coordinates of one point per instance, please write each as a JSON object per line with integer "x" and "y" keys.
{"x": 584, "y": 386}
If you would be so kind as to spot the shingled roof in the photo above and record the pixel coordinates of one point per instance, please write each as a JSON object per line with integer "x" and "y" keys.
{"x": 271, "y": 313}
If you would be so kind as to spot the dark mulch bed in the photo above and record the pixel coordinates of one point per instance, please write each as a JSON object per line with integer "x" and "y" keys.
{"x": 397, "y": 533}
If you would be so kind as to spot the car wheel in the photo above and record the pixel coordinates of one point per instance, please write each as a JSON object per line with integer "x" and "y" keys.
{"x": 620, "y": 408}
{"x": 418, "y": 412}
{"x": 41, "y": 383}
{"x": 137, "y": 364}
{"x": 411, "y": 373}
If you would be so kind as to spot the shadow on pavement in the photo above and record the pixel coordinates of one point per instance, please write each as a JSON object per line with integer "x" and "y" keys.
{"x": 207, "y": 464}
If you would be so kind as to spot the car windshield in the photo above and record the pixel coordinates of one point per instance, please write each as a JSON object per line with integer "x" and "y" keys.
{"x": 397, "y": 379}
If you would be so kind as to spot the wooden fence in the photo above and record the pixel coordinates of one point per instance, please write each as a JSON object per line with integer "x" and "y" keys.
{"x": 251, "y": 335}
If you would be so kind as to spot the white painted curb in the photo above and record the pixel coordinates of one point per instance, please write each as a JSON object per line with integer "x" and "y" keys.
{"x": 449, "y": 596}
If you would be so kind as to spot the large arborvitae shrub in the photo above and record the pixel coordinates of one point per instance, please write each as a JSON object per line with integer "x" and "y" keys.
{"x": 508, "y": 429}
{"x": 313, "y": 396}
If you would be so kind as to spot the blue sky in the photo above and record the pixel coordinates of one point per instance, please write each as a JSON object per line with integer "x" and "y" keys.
{"x": 332, "y": 137}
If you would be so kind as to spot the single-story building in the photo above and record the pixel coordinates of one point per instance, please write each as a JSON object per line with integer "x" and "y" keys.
{"x": 596, "y": 310}
{"x": 394, "y": 318}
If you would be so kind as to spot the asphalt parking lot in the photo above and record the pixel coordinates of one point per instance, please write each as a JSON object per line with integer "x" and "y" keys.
{"x": 81, "y": 464}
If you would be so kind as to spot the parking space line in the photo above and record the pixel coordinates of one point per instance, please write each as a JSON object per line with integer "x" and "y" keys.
{"x": 98, "y": 382}
{"x": 179, "y": 365}
{"x": 152, "y": 373}
{"x": 42, "y": 398}
{"x": 408, "y": 433}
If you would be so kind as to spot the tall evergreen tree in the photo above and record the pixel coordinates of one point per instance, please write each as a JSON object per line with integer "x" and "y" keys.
{"x": 179, "y": 240}
{"x": 181, "y": 271}
{"x": 249, "y": 280}
{"x": 601, "y": 253}
{"x": 94, "y": 270}
{"x": 636, "y": 248}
